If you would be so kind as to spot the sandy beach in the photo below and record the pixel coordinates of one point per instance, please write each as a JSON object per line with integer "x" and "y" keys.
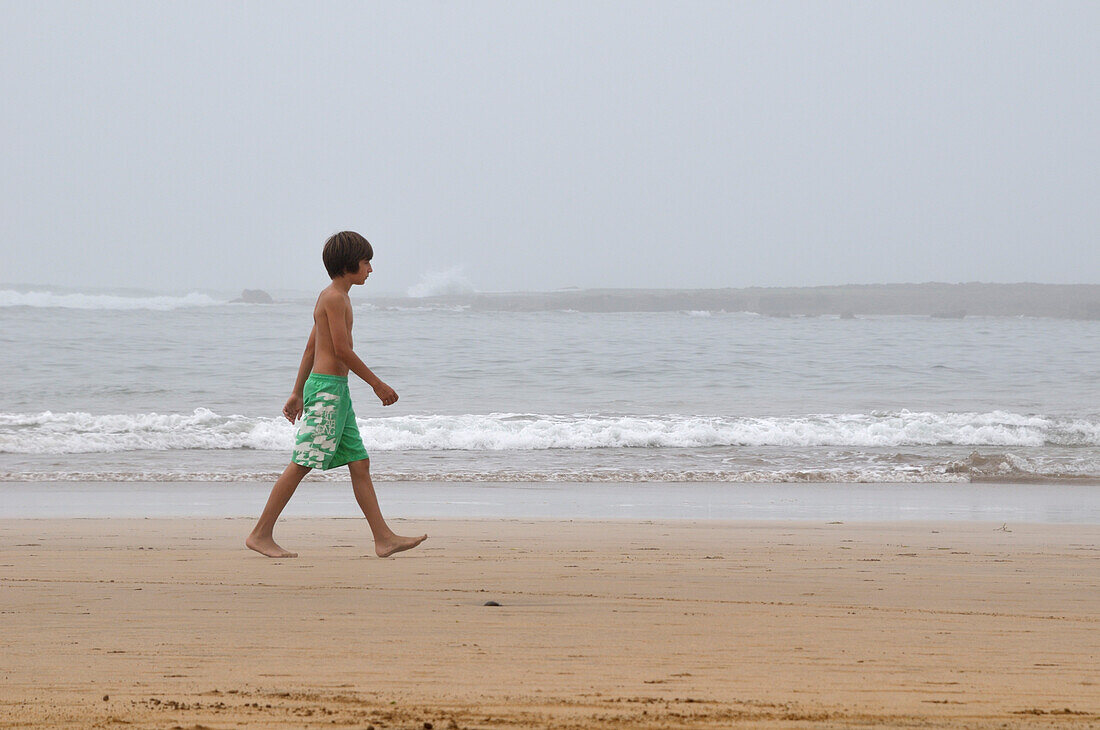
{"x": 167, "y": 623}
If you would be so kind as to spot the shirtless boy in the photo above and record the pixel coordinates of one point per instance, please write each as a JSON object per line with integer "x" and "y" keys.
{"x": 327, "y": 436}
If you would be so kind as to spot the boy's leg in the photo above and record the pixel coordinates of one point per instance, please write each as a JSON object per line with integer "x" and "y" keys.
{"x": 386, "y": 543}
{"x": 260, "y": 539}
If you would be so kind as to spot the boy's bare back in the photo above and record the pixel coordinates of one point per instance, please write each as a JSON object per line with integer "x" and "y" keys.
{"x": 332, "y": 311}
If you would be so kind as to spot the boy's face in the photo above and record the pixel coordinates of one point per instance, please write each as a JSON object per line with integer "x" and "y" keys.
{"x": 363, "y": 272}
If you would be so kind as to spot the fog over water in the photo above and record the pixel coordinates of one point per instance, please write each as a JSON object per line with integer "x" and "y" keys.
{"x": 625, "y": 244}
{"x": 517, "y": 146}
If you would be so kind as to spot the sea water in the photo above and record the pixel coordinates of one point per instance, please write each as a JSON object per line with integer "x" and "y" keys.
{"x": 107, "y": 388}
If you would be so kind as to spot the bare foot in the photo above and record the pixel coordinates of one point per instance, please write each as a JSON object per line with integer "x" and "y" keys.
{"x": 396, "y": 544}
{"x": 267, "y": 546}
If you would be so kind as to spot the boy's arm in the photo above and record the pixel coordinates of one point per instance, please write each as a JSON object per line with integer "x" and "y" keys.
{"x": 293, "y": 407}
{"x": 336, "y": 314}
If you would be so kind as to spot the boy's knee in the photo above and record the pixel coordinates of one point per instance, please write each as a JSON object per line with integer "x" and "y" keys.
{"x": 359, "y": 467}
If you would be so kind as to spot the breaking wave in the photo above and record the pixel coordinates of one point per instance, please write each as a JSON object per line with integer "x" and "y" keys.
{"x": 77, "y": 432}
{"x": 451, "y": 282}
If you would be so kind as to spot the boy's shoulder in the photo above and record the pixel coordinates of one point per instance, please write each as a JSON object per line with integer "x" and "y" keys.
{"x": 332, "y": 293}
{"x": 331, "y": 297}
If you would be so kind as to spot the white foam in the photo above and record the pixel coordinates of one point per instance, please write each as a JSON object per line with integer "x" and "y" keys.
{"x": 442, "y": 283}
{"x": 607, "y": 476}
{"x": 435, "y": 307}
{"x": 45, "y": 299}
{"x": 1022, "y": 470}
{"x": 77, "y": 432}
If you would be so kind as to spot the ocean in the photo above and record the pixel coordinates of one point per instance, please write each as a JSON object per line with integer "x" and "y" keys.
{"x": 111, "y": 388}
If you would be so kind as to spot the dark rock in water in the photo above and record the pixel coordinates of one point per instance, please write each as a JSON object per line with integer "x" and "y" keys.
{"x": 950, "y": 314}
{"x": 847, "y": 314}
{"x": 490, "y": 603}
{"x": 255, "y": 296}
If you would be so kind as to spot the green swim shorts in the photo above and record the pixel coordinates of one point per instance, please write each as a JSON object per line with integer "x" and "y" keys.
{"x": 327, "y": 434}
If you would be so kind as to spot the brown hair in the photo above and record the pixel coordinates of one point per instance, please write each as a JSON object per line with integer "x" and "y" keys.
{"x": 343, "y": 252}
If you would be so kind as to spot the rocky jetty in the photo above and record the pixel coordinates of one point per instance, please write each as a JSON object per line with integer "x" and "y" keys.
{"x": 1070, "y": 301}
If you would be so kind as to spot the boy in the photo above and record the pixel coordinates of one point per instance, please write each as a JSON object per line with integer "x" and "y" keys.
{"x": 327, "y": 436}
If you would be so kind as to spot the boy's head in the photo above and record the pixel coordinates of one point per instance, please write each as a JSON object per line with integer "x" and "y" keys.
{"x": 343, "y": 252}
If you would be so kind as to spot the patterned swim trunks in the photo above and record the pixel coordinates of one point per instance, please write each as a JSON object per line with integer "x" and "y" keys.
{"x": 327, "y": 434}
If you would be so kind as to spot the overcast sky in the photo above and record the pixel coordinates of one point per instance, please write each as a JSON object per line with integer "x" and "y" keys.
{"x": 543, "y": 145}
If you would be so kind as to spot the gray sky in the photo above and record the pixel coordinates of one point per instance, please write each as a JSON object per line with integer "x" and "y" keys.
{"x": 536, "y": 146}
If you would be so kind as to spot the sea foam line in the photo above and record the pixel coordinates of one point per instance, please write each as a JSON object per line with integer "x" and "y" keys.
{"x": 78, "y": 432}
{"x": 1001, "y": 470}
{"x": 45, "y": 299}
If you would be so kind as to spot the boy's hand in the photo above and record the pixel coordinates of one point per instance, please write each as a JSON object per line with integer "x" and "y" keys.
{"x": 293, "y": 408}
{"x": 386, "y": 394}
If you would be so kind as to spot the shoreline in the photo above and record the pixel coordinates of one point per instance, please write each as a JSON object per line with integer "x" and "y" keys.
{"x": 643, "y": 624}
{"x": 1041, "y": 503}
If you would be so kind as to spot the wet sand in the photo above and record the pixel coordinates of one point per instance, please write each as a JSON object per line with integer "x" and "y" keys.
{"x": 172, "y": 622}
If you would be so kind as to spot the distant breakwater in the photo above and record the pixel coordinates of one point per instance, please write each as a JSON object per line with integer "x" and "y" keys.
{"x": 1068, "y": 301}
